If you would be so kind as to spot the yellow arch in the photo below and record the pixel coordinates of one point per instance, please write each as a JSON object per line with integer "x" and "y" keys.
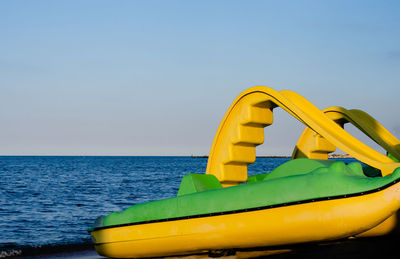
{"x": 242, "y": 129}
{"x": 309, "y": 144}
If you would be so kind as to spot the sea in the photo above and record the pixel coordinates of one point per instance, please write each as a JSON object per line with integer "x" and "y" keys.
{"x": 48, "y": 202}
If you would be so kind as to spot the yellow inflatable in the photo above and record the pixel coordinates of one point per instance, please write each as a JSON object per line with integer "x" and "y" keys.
{"x": 303, "y": 200}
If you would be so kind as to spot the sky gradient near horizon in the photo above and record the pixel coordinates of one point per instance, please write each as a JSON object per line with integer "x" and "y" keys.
{"x": 156, "y": 77}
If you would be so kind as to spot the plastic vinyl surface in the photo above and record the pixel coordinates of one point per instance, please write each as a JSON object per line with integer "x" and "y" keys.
{"x": 313, "y": 221}
{"x": 233, "y": 148}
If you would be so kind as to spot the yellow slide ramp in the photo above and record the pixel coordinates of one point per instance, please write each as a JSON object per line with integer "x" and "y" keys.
{"x": 314, "y": 146}
{"x": 242, "y": 129}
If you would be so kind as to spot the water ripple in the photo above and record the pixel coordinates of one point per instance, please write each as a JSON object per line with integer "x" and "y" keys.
{"x": 54, "y": 200}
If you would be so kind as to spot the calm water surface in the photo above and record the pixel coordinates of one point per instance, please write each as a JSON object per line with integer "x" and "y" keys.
{"x": 54, "y": 200}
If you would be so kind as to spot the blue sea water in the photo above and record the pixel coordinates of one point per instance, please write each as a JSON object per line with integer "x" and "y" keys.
{"x": 54, "y": 200}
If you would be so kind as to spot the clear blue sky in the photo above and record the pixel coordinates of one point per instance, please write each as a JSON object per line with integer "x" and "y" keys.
{"x": 156, "y": 77}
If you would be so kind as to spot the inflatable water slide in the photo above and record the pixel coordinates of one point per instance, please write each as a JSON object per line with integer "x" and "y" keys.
{"x": 308, "y": 199}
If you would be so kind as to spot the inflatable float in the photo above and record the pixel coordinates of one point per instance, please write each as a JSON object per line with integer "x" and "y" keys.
{"x": 303, "y": 200}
